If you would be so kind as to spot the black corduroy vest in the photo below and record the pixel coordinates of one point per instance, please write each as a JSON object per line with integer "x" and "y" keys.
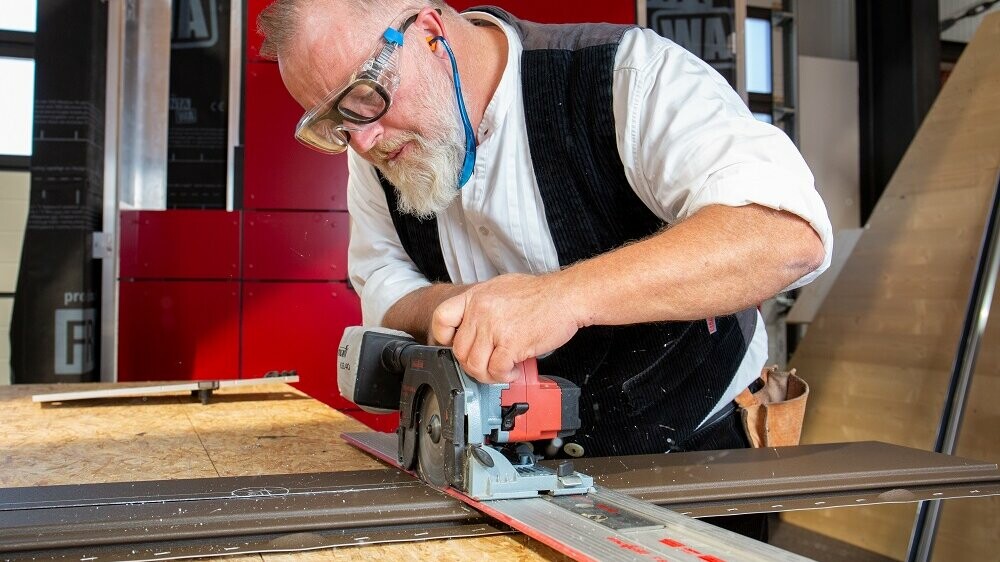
{"x": 645, "y": 387}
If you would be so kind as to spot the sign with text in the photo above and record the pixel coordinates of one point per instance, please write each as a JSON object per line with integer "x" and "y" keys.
{"x": 707, "y": 28}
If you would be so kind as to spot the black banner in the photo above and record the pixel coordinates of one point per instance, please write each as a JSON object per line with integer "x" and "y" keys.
{"x": 55, "y": 321}
{"x": 199, "y": 92}
{"x": 703, "y": 27}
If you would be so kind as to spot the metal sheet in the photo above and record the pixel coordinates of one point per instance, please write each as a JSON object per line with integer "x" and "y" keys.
{"x": 226, "y": 511}
{"x": 282, "y": 542}
{"x": 123, "y": 513}
{"x": 781, "y": 471}
{"x": 776, "y": 479}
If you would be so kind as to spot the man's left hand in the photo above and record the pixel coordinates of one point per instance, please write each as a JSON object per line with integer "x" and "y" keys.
{"x": 504, "y": 321}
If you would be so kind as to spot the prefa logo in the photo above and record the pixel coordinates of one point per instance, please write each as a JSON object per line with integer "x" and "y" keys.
{"x": 78, "y": 297}
{"x": 195, "y": 24}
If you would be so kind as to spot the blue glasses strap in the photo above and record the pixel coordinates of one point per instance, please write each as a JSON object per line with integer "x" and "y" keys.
{"x": 470, "y": 138}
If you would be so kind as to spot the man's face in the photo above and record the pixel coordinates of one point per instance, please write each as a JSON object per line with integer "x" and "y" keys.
{"x": 419, "y": 143}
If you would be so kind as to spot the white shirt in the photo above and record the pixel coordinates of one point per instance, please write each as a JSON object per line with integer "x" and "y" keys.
{"x": 686, "y": 141}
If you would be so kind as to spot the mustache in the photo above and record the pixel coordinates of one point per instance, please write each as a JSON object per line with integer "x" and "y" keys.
{"x": 381, "y": 151}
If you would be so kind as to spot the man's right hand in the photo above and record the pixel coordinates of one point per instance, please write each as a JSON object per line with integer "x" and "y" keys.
{"x": 505, "y": 321}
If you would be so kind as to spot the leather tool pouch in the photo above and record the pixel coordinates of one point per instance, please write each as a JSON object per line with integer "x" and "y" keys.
{"x": 772, "y": 416}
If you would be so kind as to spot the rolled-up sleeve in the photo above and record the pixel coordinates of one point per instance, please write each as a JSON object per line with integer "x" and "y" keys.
{"x": 380, "y": 269}
{"x": 688, "y": 141}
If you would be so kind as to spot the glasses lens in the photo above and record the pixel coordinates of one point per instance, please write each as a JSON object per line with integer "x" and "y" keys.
{"x": 362, "y": 103}
{"x": 325, "y": 135}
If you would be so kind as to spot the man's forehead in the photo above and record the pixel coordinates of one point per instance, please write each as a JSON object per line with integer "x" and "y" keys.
{"x": 326, "y": 49}
{"x": 328, "y": 33}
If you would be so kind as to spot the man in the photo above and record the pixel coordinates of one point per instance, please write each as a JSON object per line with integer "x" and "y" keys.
{"x": 595, "y": 196}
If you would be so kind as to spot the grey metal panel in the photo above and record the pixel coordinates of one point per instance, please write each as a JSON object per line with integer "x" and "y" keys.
{"x": 143, "y": 105}
{"x": 234, "y": 106}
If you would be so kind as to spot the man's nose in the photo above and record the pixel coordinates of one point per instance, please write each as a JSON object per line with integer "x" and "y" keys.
{"x": 365, "y": 136}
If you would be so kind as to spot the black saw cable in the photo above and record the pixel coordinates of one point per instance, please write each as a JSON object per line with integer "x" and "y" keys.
{"x": 971, "y": 12}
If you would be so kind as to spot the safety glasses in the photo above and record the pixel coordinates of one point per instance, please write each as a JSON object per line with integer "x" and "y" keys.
{"x": 365, "y": 99}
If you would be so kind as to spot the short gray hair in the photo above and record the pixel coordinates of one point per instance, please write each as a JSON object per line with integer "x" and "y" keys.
{"x": 279, "y": 21}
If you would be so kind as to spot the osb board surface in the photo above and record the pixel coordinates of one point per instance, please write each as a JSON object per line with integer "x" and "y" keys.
{"x": 878, "y": 355}
{"x": 265, "y": 429}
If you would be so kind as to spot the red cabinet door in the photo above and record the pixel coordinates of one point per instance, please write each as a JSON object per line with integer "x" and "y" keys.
{"x": 178, "y": 330}
{"x": 291, "y": 326}
{"x": 294, "y": 246}
{"x": 280, "y": 173}
{"x": 180, "y": 244}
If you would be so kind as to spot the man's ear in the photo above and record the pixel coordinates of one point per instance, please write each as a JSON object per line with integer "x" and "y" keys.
{"x": 431, "y": 24}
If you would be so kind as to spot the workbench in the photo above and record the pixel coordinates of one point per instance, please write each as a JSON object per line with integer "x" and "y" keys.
{"x": 255, "y": 430}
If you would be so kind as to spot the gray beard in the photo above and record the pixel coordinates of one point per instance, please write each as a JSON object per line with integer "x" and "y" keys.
{"x": 426, "y": 180}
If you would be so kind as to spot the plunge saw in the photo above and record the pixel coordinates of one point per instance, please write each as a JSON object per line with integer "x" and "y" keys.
{"x": 456, "y": 431}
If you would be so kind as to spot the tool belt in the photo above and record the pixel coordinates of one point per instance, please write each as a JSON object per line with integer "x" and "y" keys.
{"x": 772, "y": 415}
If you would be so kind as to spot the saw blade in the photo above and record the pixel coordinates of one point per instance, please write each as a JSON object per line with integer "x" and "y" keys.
{"x": 430, "y": 446}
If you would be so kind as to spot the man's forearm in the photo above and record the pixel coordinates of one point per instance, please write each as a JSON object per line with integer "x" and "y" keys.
{"x": 412, "y": 313}
{"x": 720, "y": 260}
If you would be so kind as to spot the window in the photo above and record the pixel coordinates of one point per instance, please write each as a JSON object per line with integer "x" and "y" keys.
{"x": 17, "y": 66}
{"x": 758, "y": 49}
{"x": 16, "y": 105}
{"x": 19, "y": 15}
{"x": 759, "y": 68}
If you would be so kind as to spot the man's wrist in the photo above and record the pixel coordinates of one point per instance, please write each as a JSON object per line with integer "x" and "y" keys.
{"x": 573, "y": 295}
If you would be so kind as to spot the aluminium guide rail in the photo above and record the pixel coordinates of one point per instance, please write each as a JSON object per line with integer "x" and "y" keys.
{"x": 606, "y": 525}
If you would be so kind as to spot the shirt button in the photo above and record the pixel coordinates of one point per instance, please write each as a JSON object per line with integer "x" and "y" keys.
{"x": 484, "y": 231}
